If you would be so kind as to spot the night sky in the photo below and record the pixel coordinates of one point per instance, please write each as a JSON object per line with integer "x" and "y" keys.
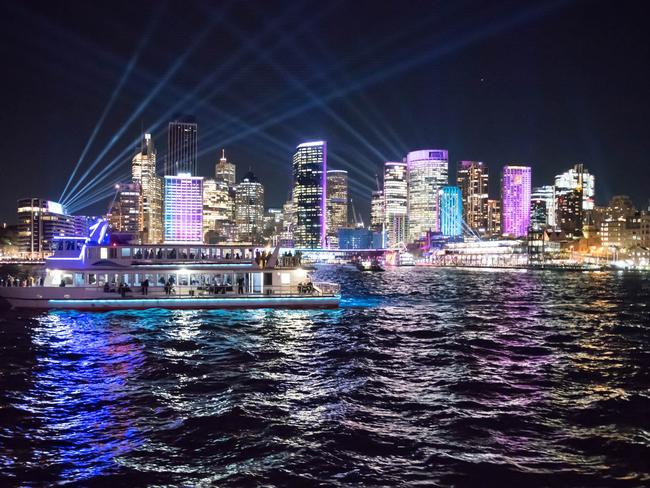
{"x": 546, "y": 84}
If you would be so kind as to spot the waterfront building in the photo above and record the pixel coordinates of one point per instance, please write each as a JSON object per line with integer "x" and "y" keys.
{"x": 427, "y": 172}
{"x": 249, "y": 209}
{"x": 494, "y": 217}
{"x": 310, "y": 194}
{"x": 395, "y": 202}
{"x": 515, "y": 200}
{"x": 576, "y": 177}
{"x": 570, "y": 212}
{"x": 377, "y": 210}
{"x": 143, "y": 172}
{"x": 183, "y": 209}
{"x": 337, "y": 204}
{"x": 451, "y": 211}
{"x": 181, "y": 146}
{"x": 542, "y": 207}
{"x": 39, "y": 221}
{"x": 225, "y": 171}
{"x": 472, "y": 178}
{"x": 126, "y": 215}
{"x": 218, "y": 207}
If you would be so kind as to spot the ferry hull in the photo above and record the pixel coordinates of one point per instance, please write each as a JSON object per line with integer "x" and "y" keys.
{"x": 176, "y": 303}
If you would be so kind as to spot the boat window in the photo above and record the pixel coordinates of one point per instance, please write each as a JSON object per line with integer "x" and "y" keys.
{"x": 285, "y": 278}
{"x": 112, "y": 253}
{"x": 92, "y": 279}
{"x": 103, "y": 253}
{"x": 126, "y": 252}
{"x": 268, "y": 279}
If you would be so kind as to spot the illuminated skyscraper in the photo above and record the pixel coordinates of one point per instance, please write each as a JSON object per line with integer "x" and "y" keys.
{"x": 515, "y": 200}
{"x": 183, "y": 209}
{"x": 337, "y": 204}
{"x": 542, "y": 207}
{"x": 395, "y": 202}
{"x": 218, "y": 207}
{"x": 225, "y": 171}
{"x": 249, "y": 209}
{"x": 451, "y": 211}
{"x": 143, "y": 171}
{"x": 494, "y": 217}
{"x": 472, "y": 179}
{"x": 127, "y": 214}
{"x": 574, "y": 178}
{"x": 427, "y": 172}
{"x": 310, "y": 194}
{"x": 39, "y": 221}
{"x": 377, "y": 210}
{"x": 181, "y": 146}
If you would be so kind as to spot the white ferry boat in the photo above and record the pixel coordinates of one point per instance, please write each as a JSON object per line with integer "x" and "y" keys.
{"x": 84, "y": 274}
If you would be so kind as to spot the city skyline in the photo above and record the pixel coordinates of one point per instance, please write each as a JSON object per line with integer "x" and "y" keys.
{"x": 473, "y": 77}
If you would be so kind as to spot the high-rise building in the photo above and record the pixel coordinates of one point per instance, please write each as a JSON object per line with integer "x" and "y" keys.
{"x": 494, "y": 217}
{"x": 218, "y": 207}
{"x": 337, "y": 204}
{"x": 288, "y": 224}
{"x": 451, "y": 211}
{"x": 576, "y": 177}
{"x": 126, "y": 215}
{"x": 543, "y": 207}
{"x": 570, "y": 211}
{"x": 310, "y": 194}
{"x": 181, "y": 146}
{"x": 377, "y": 210}
{"x": 395, "y": 202}
{"x": 39, "y": 221}
{"x": 472, "y": 178}
{"x": 249, "y": 209}
{"x": 143, "y": 172}
{"x": 515, "y": 200}
{"x": 183, "y": 215}
{"x": 225, "y": 171}
{"x": 427, "y": 172}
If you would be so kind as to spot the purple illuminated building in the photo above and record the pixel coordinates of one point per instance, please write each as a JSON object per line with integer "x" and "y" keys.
{"x": 515, "y": 200}
{"x": 183, "y": 220}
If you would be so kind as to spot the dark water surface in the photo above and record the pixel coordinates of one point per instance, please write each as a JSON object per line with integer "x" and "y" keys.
{"x": 422, "y": 377}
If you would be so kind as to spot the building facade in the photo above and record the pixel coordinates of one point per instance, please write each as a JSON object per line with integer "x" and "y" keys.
{"x": 451, "y": 211}
{"x": 337, "y": 204}
{"x": 395, "y": 202}
{"x": 143, "y": 172}
{"x": 310, "y": 194}
{"x": 39, "y": 221}
{"x": 218, "y": 208}
{"x": 543, "y": 207}
{"x": 249, "y": 209}
{"x": 494, "y": 217}
{"x": 127, "y": 214}
{"x": 377, "y": 210}
{"x": 183, "y": 209}
{"x": 427, "y": 172}
{"x": 515, "y": 200}
{"x": 577, "y": 177}
{"x": 472, "y": 178}
{"x": 181, "y": 146}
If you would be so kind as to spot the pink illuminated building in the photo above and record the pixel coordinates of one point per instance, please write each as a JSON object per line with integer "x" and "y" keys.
{"x": 515, "y": 200}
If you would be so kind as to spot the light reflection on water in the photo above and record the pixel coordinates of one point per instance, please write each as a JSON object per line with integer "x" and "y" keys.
{"x": 448, "y": 376}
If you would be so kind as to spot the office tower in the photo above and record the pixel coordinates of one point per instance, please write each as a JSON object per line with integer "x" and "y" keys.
{"x": 249, "y": 209}
{"x": 126, "y": 215}
{"x": 225, "y": 171}
{"x": 39, "y": 221}
{"x": 494, "y": 217}
{"x": 337, "y": 204}
{"x": 310, "y": 194}
{"x": 377, "y": 210}
{"x": 570, "y": 211}
{"x": 451, "y": 211}
{"x": 181, "y": 146}
{"x": 218, "y": 208}
{"x": 427, "y": 172}
{"x": 183, "y": 209}
{"x": 143, "y": 172}
{"x": 577, "y": 177}
{"x": 472, "y": 178}
{"x": 543, "y": 208}
{"x": 288, "y": 224}
{"x": 515, "y": 200}
{"x": 395, "y": 202}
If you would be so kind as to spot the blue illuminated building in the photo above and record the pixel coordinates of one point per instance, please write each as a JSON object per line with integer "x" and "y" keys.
{"x": 355, "y": 238}
{"x": 451, "y": 211}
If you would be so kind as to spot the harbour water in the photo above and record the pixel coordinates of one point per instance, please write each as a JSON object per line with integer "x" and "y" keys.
{"x": 441, "y": 376}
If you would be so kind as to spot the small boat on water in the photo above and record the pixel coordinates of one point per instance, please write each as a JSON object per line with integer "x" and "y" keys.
{"x": 89, "y": 274}
{"x": 369, "y": 265}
